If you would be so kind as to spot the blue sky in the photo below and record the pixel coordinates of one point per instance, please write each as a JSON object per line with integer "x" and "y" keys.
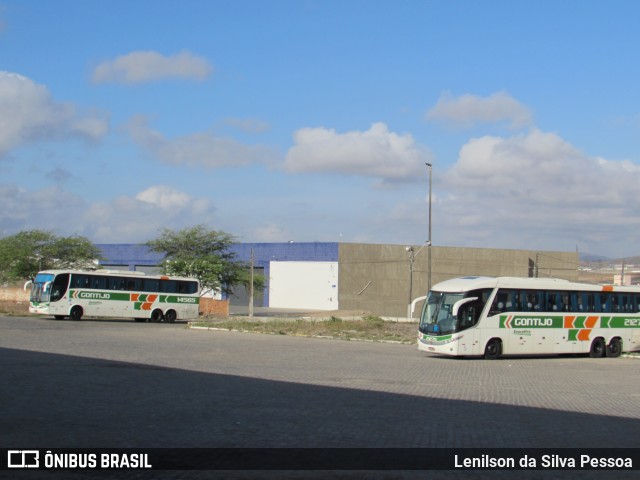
{"x": 313, "y": 121}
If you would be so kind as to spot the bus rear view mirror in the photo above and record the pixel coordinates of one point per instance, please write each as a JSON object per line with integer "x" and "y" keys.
{"x": 459, "y": 303}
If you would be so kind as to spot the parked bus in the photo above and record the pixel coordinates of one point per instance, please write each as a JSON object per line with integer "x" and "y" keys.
{"x": 490, "y": 317}
{"x": 120, "y": 294}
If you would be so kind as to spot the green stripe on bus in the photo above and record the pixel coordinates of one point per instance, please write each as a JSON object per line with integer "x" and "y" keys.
{"x": 126, "y": 297}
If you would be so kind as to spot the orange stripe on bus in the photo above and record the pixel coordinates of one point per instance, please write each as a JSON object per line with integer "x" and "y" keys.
{"x": 583, "y": 335}
{"x": 134, "y": 297}
{"x": 590, "y": 322}
{"x": 607, "y": 288}
{"x": 568, "y": 322}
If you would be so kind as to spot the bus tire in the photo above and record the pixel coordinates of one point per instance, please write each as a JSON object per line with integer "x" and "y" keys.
{"x": 170, "y": 316}
{"x": 157, "y": 316}
{"x": 614, "y": 349}
{"x": 493, "y": 350}
{"x": 598, "y": 348}
{"x": 76, "y": 313}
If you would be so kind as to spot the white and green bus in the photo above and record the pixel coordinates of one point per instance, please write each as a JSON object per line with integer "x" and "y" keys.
{"x": 108, "y": 293}
{"x": 491, "y": 317}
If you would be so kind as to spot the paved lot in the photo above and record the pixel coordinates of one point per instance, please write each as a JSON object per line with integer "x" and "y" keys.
{"x": 124, "y": 384}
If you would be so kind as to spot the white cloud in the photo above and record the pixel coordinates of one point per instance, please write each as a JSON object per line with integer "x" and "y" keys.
{"x": 202, "y": 149}
{"x": 376, "y": 152}
{"x": 467, "y": 110}
{"x": 270, "y": 232}
{"x": 29, "y": 114}
{"x": 164, "y": 197}
{"x": 149, "y": 66}
{"x": 536, "y": 189}
{"x": 120, "y": 220}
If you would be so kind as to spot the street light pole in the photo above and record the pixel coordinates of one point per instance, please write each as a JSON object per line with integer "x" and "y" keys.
{"x": 429, "y": 239}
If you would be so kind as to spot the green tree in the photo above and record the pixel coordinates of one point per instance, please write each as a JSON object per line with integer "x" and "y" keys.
{"x": 203, "y": 254}
{"x": 26, "y": 253}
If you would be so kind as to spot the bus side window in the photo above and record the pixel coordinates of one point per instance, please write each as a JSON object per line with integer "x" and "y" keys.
{"x": 535, "y": 300}
{"x": 628, "y": 303}
{"x": 59, "y": 286}
{"x": 80, "y": 281}
{"x": 615, "y": 303}
{"x": 150, "y": 285}
{"x": 575, "y": 299}
{"x": 499, "y": 302}
{"x": 468, "y": 315}
{"x": 98, "y": 282}
{"x": 510, "y": 300}
{"x": 605, "y": 302}
{"x": 564, "y": 301}
{"x": 528, "y": 302}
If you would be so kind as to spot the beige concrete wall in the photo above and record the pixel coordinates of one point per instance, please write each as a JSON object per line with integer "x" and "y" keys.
{"x": 376, "y": 278}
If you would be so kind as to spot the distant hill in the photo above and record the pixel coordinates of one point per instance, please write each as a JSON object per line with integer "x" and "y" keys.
{"x": 592, "y": 258}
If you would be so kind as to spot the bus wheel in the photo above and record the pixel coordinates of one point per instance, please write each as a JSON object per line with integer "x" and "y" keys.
{"x": 598, "y": 348}
{"x": 76, "y": 313}
{"x": 170, "y": 316}
{"x": 157, "y": 316}
{"x": 614, "y": 349}
{"x": 493, "y": 350}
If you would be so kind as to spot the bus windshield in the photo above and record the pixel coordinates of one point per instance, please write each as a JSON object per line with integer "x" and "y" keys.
{"x": 437, "y": 317}
{"x": 41, "y": 287}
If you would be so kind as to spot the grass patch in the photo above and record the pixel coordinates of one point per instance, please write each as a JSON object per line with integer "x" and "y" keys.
{"x": 369, "y": 328}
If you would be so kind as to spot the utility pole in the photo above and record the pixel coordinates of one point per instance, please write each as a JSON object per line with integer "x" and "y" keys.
{"x": 251, "y": 287}
{"x": 411, "y": 259}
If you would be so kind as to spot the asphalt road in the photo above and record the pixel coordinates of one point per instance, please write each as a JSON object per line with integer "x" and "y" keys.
{"x": 124, "y": 384}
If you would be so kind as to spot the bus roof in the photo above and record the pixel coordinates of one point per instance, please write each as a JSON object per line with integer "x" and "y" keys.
{"x": 463, "y": 284}
{"x": 117, "y": 273}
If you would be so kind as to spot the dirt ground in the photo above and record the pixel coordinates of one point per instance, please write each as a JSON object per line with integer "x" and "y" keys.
{"x": 14, "y": 308}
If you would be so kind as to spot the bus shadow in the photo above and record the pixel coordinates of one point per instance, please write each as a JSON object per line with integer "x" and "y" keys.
{"x": 113, "y": 320}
